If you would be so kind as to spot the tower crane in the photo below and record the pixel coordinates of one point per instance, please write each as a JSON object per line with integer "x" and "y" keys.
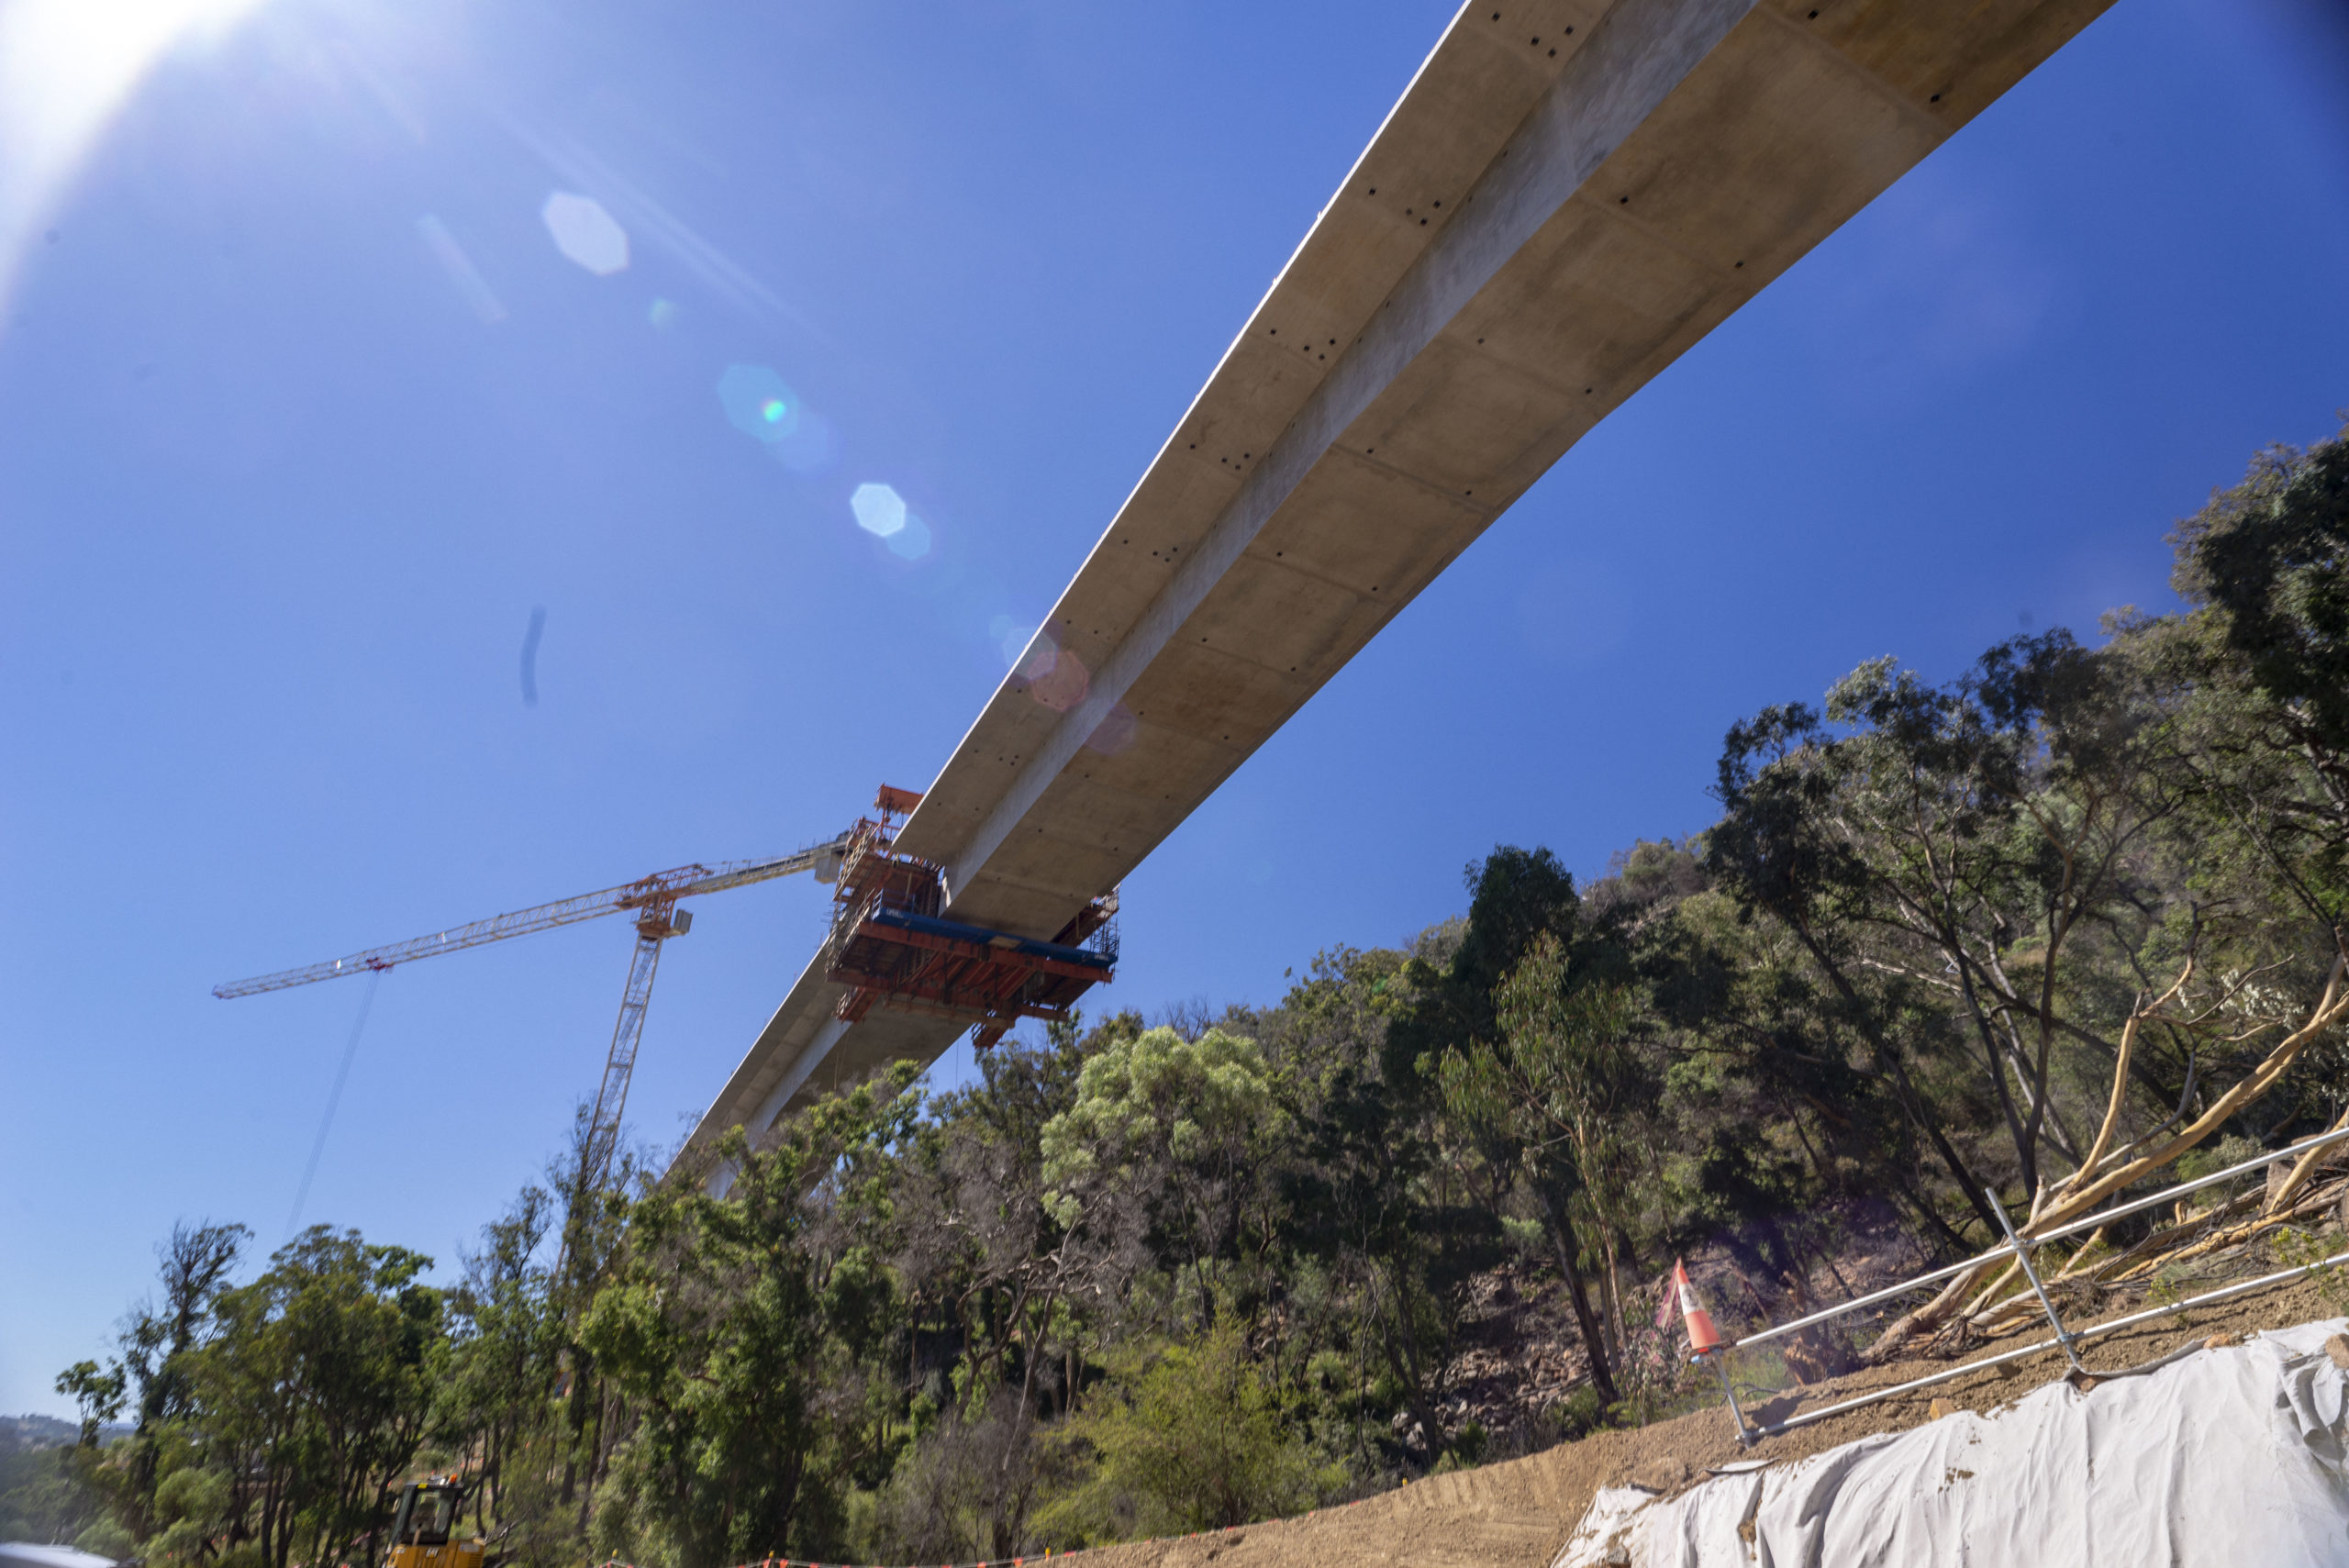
{"x": 891, "y": 944}
{"x": 652, "y": 899}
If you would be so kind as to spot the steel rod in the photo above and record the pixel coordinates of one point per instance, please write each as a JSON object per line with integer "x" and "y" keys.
{"x": 2206, "y": 1298}
{"x": 2070, "y": 1227}
{"x": 1736, "y": 1412}
{"x": 2023, "y": 1256}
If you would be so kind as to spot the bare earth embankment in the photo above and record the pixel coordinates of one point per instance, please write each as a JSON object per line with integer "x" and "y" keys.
{"x": 1518, "y": 1513}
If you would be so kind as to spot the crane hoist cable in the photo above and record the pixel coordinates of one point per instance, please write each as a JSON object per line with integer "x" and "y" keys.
{"x": 652, "y": 899}
{"x": 334, "y": 1098}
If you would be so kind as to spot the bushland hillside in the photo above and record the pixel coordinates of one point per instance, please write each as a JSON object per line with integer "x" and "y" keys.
{"x": 2063, "y": 925}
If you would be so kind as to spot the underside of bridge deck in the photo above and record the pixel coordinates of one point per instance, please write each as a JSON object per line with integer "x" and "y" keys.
{"x": 1569, "y": 194}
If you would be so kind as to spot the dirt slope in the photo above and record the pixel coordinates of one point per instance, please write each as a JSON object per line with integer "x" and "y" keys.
{"x": 1518, "y": 1514}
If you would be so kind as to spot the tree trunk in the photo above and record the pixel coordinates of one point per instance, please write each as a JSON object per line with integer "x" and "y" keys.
{"x": 1594, "y": 1343}
{"x": 1994, "y": 1058}
{"x": 1614, "y": 1289}
{"x": 1904, "y": 1092}
{"x": 1401, "y": 1344}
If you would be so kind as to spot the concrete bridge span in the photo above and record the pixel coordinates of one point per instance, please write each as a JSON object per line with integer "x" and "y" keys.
{"x": 1569, "y": 194}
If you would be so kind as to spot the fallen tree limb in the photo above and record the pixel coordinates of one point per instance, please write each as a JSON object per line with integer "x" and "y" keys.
{"x": 2278, "y": 1197}
{"x": 2102, "y": 1175}
{"x": 2020, "y": 1311}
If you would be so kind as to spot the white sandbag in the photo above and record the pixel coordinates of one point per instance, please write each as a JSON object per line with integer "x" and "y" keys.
{"x": 2235, "y": 1455}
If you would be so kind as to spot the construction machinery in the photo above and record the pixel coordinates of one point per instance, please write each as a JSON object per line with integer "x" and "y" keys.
{"x": 890, "y": 943}
{"x": 426, "y": 1520}
{"x": 652, "y": 899}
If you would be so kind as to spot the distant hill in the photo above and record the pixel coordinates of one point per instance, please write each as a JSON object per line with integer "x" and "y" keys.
{"x": 47, "y": 1431}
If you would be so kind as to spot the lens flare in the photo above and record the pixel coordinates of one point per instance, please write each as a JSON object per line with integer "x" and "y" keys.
{"x": 1012, "y": 637}
{"x": 1114, "y": 733}
{"x": 585, "y": 233}
{"x": 458, "y": 268}
{"x": 757, "y": 402}
{"x": 811, "y": 449}
{"x": 66, "y": 66}
{"x": 880, "y": 511}
{"x": 912, "y": 541}
{"x": 1056, "y": 677}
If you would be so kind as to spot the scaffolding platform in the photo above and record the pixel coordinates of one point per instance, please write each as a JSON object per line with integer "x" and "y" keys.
{"x": 891, "y": 943}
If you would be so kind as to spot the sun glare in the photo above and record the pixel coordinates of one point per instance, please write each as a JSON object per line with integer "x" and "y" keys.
{"x": 66, "y": 67}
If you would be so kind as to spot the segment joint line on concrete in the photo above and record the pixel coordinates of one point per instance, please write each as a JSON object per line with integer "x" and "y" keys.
{"x": 1639, "y": 53}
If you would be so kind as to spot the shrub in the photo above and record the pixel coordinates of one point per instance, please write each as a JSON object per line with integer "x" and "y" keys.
{"x": 1192, "y": 1438}
{"x": 106, "y": 1539}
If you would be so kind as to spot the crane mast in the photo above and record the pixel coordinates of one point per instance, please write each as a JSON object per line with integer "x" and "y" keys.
{"x": 656, "y": 924}
{"x": 891, "y": 944}
{"x": 653, "y": 901}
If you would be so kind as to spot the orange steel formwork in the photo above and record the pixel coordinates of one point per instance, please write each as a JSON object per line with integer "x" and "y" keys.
{"x": 891, "y": 942}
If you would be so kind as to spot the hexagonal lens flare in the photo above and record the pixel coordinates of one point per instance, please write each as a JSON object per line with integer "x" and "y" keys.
{"x": 1012, "y": 637}
{"x": 1114, "y": 733}
{"x": 585, "y": 233}
{"x": 757, "y": 402}
{"x": 1056, "y": 677}
{"x": 912, "y": 541}
{"x": 880, "y": 511}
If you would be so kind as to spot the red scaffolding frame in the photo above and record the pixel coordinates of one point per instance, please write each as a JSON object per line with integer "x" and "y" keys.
{"x": 892, "y": 945}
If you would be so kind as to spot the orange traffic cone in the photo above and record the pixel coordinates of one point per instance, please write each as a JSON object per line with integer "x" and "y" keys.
{"x": 1702, "y": 1336}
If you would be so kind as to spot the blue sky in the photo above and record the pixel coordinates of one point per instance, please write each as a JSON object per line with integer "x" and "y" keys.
{"x": 304, "y": 413}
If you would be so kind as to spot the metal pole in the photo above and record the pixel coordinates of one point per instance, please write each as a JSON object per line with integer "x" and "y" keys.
{"x": 2095, "y": 1330}
{"x": 2073, "y": 1228}
{"x": 2023, "y": 1256}
{"x": 1720, "y": 1364}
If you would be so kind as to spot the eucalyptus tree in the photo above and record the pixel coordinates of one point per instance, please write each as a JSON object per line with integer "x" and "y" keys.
{"x": 1548, "y": 1098}
{"x": 745, "y": 1334}
{"x": 2262, "y": 664}
{"x": 508, "y": 1362}
{"x": 1982, "y": 842}
{"x": 1003, "y": 1298}
{"x": 1178, "y": 1136}
{"x": 1373, "y": 1234}
{"x": 1776, "y": 852}
{"x": 316, "y": 1388}
{"x": 157, "y": 1345}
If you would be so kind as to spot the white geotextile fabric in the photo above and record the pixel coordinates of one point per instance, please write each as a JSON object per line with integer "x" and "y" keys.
{"x": 2238, "y": 1455}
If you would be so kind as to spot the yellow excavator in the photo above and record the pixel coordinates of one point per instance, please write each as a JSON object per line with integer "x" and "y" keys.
{"x": 420, "y": 1531}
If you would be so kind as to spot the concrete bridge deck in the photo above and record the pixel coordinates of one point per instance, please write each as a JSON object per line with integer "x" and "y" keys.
{"x": 1569, "y": 194}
